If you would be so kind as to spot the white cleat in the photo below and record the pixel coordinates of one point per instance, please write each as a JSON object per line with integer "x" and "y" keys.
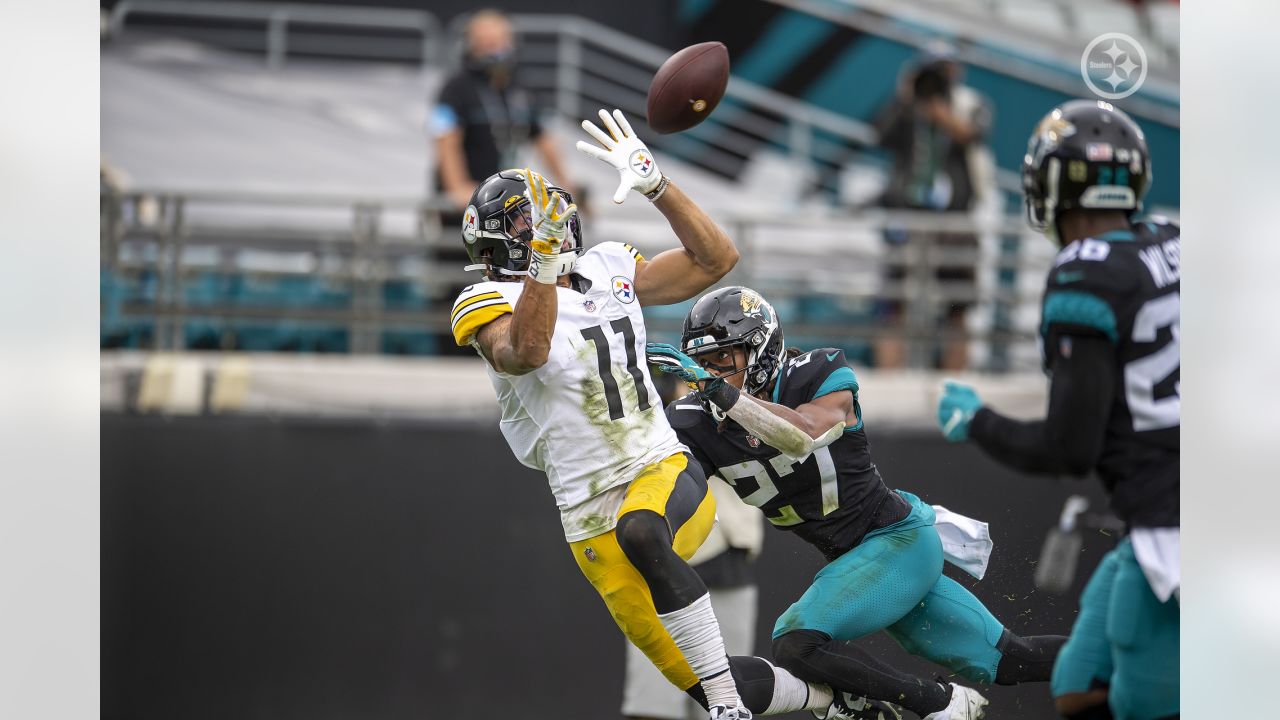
{"x": 848, "y": 706}
{"x": 720, "y": 712}
{"x": 966, "y": 704}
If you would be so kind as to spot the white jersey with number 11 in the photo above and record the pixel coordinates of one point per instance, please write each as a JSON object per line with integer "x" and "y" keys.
{"x": 590, "y": 418}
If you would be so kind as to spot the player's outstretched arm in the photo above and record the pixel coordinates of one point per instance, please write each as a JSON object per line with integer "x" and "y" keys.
{"x": 816, "y": 417}
{"x": 708, "y": 253}
{"x": 1069, "y": 440}
{"x": 795, "y": 432}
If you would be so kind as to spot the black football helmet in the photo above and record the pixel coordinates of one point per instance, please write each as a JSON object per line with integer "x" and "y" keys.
{"x": 737, "y": 316}
{"x": 1085, "y": 154}
{"x": 497, "y": 227}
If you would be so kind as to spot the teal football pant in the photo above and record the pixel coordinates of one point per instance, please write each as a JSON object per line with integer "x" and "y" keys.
{"x": 893, "y": 581}
{"x": 1125, "y": 639}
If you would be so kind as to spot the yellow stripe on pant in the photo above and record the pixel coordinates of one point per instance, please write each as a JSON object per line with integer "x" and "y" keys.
{"x": 622, "y": 587}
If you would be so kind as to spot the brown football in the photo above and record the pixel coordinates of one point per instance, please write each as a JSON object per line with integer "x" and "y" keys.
{"x": 688, "y": 87}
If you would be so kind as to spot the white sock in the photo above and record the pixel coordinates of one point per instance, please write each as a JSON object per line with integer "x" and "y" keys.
{"x": 790, "y": 693}
{"x": 696, "y": 632}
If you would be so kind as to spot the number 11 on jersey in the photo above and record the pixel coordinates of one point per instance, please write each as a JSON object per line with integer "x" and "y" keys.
{"x": 597, "y": 336}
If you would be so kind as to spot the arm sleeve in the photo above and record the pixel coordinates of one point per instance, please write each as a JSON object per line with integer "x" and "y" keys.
{"x": 1069, "y": 439}
{"x": 447, "y": 111}
{"x": 476, "y": 307}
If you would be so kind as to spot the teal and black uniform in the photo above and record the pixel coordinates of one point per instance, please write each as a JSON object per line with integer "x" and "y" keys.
{"x": 884, "y": 569}
{"x": 1110, "y": 338}
{"x": 1117, "y": 293}
{"x": 831, "y": 499}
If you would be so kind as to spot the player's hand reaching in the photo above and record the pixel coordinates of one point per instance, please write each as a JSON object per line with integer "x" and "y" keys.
{"x": 549, "y": 216}
{"x": 668, "y": 359}
{"x": 956, "y": 408}
{"x": 626, "y": 153}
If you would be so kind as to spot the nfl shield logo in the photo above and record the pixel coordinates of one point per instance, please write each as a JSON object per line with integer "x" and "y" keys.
{"x": 591, "y": 554}
{"x": 622, "y": 289}
{"x": 753, "y": 441}
{"x": 589, "y": 306}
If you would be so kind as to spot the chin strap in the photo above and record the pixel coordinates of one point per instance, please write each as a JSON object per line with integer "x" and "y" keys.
{"x": 564, "y": 257}
{"x": 771, "y": 429}
{"x": 485, "y": 267}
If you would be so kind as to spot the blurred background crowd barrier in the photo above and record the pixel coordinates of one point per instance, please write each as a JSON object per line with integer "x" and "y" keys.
{"x": 268, "y": 178}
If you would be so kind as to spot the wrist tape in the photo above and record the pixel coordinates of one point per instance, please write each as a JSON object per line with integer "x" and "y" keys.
{"x": 658, "y": 189}
{"x": 546, "y": 268}
{"x": 721, "y": 394}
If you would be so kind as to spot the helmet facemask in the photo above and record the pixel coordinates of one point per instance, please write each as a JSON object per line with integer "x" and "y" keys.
{"x": 498, "y": 237}
{"x": 741, "y": 318}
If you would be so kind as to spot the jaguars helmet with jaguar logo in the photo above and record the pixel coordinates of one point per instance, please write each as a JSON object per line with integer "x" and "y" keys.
{"x": 733, "y": 317}
{"x": 1085, "y": 154}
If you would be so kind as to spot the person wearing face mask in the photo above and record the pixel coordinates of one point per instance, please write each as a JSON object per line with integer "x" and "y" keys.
{"x": 480, "y": 122}
{"x": 483, "y": 117}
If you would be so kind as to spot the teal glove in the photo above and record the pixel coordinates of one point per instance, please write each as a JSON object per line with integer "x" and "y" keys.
{"x": 669, "y": 359}
{"x": 956, "y": 408}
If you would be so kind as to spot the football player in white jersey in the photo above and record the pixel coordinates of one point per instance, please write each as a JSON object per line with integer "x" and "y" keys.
{"x": 562, "y": 334}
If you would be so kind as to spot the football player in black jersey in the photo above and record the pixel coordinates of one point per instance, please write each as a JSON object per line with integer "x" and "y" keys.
{"x": 1109, "y": 330}
{"x": 784, "y": 428}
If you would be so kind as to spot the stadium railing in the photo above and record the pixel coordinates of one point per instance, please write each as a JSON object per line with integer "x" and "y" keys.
{"x": 281, "y": 35}
{"x": 369, "y": 283}
{"x": 364, "y": 275}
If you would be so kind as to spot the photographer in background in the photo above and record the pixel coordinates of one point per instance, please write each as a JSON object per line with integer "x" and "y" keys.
{"x": 935, "y": 131}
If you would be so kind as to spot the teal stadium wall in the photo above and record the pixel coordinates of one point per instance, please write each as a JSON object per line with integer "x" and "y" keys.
{"x": 854, "y": 73}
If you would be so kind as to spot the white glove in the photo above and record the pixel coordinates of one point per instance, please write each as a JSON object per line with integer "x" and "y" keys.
{"x": 625, "y": 152}
{"x": 550, "y": 218}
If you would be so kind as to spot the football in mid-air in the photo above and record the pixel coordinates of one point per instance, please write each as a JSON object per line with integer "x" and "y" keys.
{"x": 688, "y": 87}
